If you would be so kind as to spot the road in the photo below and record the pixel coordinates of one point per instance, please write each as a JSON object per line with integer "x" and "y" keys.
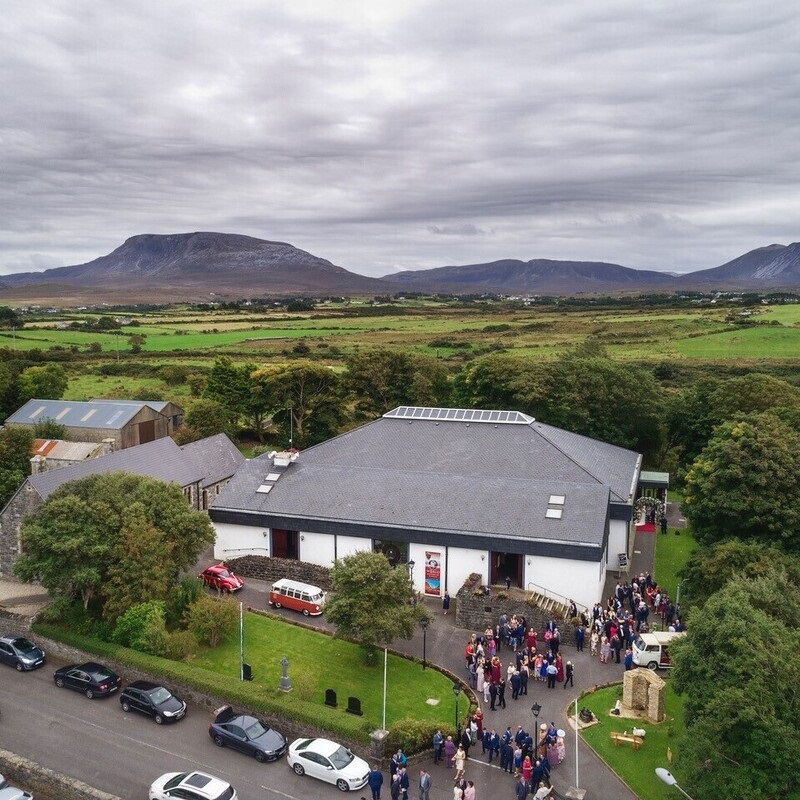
{"x": 96, "y": 742}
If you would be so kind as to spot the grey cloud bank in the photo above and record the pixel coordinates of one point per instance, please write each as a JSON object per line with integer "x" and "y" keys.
{"x": 402, "y": 135}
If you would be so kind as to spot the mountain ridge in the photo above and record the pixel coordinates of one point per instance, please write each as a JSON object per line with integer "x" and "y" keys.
{"x": 192, "y": 266}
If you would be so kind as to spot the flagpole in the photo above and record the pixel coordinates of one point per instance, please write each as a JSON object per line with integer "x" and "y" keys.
{"x": 385, "y": 659}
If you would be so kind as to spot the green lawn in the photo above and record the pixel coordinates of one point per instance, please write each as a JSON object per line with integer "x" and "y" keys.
{"x": 672, "y": 552}
{"x": 318, "y": 662}
{"x": 636, "y": 767}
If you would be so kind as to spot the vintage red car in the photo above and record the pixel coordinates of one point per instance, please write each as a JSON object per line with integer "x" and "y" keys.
{"x": 219, "y": 577}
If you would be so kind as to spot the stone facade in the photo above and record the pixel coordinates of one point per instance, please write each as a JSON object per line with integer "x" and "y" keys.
{"x": 273, "y": 569}
{"x": 476, "y": 611}
{"x": 24, "y": 502}
{"x": 643, "y": 691}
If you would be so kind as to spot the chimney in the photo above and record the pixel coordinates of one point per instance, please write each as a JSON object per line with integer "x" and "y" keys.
{"x": 283, "y": 458}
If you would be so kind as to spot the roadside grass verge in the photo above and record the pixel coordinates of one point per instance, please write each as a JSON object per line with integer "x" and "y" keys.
{"x": 316, "y": 662}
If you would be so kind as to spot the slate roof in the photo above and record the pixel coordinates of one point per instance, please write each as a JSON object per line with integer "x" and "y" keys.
{"x": 161, "y": 459}
{"x": 217, "y": 456}
{"x": 477, "y": 478}
{"x": 110, "y": 414}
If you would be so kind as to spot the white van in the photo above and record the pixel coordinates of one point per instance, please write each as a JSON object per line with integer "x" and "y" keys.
{"x": 651, "y": 650}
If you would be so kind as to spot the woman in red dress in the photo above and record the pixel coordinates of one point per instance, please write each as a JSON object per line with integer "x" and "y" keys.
{"x": 559, "y": 668}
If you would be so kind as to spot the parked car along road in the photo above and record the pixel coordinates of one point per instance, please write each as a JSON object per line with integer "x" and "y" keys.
{"x": 93, "y": 679}
{"x": 12, "y": 793}
{"x": 20, "y": 652}
{"x": 156, "y": 701}
{"x": 328, "y": 761}
{"x": 219, "y": 577}
{"x": 191, "y": 786}
{"x": 248, "y": 734}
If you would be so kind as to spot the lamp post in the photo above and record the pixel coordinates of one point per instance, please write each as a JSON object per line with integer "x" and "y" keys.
{"x": 457, "y": 692}
{"x": 411, "y": 571}
{"x": 535, "y": 710}
{"x": 667, "y": 777}
{"x": 424, "y": 622}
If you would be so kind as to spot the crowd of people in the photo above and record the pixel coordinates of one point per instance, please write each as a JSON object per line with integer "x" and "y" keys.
{"x": 501, "y": 664}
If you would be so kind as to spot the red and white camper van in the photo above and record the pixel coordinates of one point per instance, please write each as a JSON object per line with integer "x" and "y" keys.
{"x": 303, "y": 597}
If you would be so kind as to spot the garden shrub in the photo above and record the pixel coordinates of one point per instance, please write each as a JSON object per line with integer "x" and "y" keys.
{"x": 138, "y": 623}
{"x": 413, "y": 735}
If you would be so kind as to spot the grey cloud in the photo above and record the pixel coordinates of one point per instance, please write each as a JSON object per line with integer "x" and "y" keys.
{"x": 658, "y": 135}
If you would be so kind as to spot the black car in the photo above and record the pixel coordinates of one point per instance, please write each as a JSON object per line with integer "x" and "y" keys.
{"x": 154, "y": 700}
{"x": 93, "y": 679}
{"x": 247, "y": 734}
{"x": 20, "y": 652}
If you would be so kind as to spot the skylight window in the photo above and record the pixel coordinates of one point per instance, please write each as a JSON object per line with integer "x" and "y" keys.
{"x": 556, "y": 500}
{"x": 273, "y": 476}
{"x": 553, "y": 513}
{"x": 265, "y": 488}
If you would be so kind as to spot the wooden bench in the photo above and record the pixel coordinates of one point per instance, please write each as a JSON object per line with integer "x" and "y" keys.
{"x": 634, "y": 741}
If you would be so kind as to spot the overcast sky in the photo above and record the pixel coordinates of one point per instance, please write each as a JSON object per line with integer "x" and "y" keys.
{"x": 402, "y": 134}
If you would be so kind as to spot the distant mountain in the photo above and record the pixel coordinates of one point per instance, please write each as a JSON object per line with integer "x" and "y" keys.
{"x": 539, "y": 276}
{"x": 774, "y": 266}
{"x": 191, "y": 265}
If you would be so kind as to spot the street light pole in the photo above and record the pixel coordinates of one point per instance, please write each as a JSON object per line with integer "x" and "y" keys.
{"x": 456, "y": 692}
{"x": 667, "y": 777}
{"x": 424, "y": 624}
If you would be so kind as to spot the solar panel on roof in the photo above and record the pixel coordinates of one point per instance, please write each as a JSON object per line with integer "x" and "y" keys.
{"x": 459, "y": 414}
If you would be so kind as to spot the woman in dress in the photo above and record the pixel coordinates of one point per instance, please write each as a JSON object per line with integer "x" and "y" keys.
{"x": 594, "y": 642}
{"x": 605, "y": 650}
{"x": 460, "y": 760}
{"x": 559, "y": 668}
{"x": 479, "y": 679}
{"x": 527, "y": 770}
{"x": 530, "y": 640}
{"x": 543, "y": 669}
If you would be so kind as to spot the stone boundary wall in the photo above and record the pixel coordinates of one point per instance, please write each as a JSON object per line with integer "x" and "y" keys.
{"x": 477, "y": 612}
{"x": 43, "y": 782}
{"x": 272, "y": 569}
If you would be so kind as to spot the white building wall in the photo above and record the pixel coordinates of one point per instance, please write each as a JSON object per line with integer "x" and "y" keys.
{"x": 233, "y": 541}
{"x": 347, "y": 545}
{"x": 317, "y": 548}
{"x": 460, "y": 563}
{"x": 580, "y": 581}
{"x": 617, "y": 540}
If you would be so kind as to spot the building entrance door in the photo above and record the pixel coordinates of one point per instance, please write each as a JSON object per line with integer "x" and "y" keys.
{"x": 506, "y": 565}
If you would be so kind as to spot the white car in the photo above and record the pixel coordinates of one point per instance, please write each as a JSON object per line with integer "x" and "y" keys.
{"x": 328, "y": 761}
{"x": 12, "y": 793}
{"x": 191, "y": 786}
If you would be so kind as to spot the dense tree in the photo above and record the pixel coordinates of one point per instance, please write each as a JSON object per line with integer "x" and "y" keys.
{"x": 212, "y": 619}
{"x": 208, "y": 417}
{"x": 9, "y": 318}
{"x": 114, "y": 539}
{"x": 16, "y": 444}
{"x": 311, "y": 394}
{"x": 490, "y": 382}
{"x": 48, "y": 382}
{"x": 242, "y": 390}
{"x": 8, "y": 390}
{"x": 710, "y": 568}
{"x": 371, "y": 600}
{"x": 50, "y": 429}
{"x": 746, "y": 483}
{"x": 380, "y": 380}
{"x": 739, "y": 671}
{"x": 585, "y": 392}
{"x": 696, "y": 411}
